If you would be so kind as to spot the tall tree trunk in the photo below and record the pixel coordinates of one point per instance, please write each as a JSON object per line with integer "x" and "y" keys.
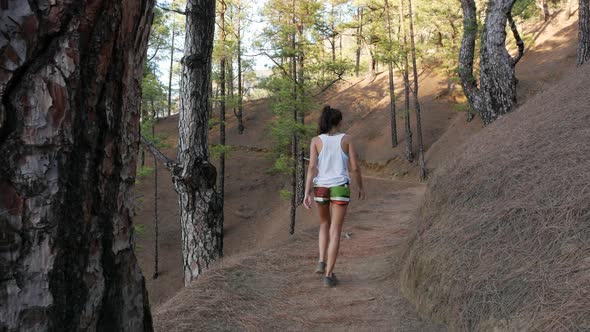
{"x": 421, "y": 161}
{"x": 496, "y": 94}
{"x": 156, "y": 221}
{"x": 170, "y": 74}
{"x": 193, "y": 175}
{"x": 392, "y": 111}
{"x": 545, "y": 10}
{"x": 359, "y": 45}
{"x": 222, "y": 85}
{"x": 69, "y": 108}
{"x": 294, "y": 142}
{"x": 240, "y": 114}
{"x": 301, "y": 114}
{"x": 406, "y": 75}
{"x": 584, "y": 34}
{"x": 333, "y": 32}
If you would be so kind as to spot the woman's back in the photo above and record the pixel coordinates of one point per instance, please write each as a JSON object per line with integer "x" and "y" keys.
{"x": 332, "y": 162}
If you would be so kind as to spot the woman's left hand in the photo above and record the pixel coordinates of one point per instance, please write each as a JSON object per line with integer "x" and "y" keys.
{"x": 307, "y": 201}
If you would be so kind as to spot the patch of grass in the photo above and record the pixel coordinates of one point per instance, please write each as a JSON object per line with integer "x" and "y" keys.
{"x": 142, "y": 172}
{"x": 285, "y": 194}
{"x": 139, "y": 229}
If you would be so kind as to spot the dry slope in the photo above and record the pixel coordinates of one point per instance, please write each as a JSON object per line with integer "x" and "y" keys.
{"x": 503, "y": 238}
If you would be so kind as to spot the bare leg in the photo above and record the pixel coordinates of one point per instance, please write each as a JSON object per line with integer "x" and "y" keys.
{"x": 338, "y": 213}
{"x": 324, "y": 237}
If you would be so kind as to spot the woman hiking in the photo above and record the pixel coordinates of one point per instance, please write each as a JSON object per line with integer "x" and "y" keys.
{"x": 332, "y": 157}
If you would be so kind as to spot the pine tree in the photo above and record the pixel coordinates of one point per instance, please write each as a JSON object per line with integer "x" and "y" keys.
{"x": 69, "y": 125}
{"x": 194, "y": 176}
{"x": 496, "y": 93}
{"x": 421, "y": 161}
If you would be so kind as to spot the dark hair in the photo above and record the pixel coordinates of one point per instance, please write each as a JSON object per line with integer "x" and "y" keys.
{"x": 330, "y": 118}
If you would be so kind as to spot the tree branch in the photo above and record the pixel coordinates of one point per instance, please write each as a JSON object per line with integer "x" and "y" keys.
{"x": 519, "y": 41}
{"x": 177, "y": 11}
{"x": 172, "y": 166}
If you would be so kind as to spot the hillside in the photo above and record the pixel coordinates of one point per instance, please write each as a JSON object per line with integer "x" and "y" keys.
{"x": 502, "y": 240}
{"x": 258, "y": 228}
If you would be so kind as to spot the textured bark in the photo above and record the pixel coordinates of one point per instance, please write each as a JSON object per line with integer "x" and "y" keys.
{"x": 406, "y": 75}
{"x": 584, "y": 34}
{"x": 496, "y": 94}
{"x": 70, "y": 90}
{"x": 392, "y": 111}
{"x": 201, "y": 207}
{"x": 421, "y": 161}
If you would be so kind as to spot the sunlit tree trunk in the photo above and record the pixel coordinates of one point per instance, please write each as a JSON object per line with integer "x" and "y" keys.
{"x": 70, "y": 91}
{"x": 359, "y": 44}
{"x": 392, "y": 111}
{"x": 406, "y": 75}
{"x": 421, "y": 161}
{"x": 496, "y": 94}
{"x": 193, "y": 175}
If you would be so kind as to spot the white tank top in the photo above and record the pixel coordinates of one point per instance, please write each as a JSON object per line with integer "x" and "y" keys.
{"x": 332, "y": 163}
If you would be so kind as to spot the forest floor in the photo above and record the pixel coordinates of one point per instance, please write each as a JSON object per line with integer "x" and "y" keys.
{"x": 266, "y": 279}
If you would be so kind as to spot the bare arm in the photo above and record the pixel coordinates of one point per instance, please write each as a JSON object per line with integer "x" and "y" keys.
{"x": 312, "y": 172}
{"x": 355, "y": 169}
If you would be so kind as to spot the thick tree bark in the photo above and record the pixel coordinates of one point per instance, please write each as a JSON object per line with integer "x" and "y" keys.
{"x": 392, "y": 111}
{"x": 201, "y": 206}
{"x": 406, "y": 75}
{"x": 70, "y": 90}
{"x": 496, "y": 94}
{"x": 222, "y": 85}
{"x": 584, "y": 34}
{"x": 171, "y": 72}
{"x": 421, "y": 161}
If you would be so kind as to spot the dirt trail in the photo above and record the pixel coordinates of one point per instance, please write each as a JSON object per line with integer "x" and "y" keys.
{"x": 277, "y": 289}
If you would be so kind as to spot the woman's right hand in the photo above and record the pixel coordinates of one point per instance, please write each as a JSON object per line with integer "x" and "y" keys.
{"x": 361, "y": 194}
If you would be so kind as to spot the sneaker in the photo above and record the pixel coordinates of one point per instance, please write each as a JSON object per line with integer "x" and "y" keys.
{"x": 321, "y": 268}
{"x": 330, "y": 281}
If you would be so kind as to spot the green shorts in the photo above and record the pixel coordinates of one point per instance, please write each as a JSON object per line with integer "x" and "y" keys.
{"x": 338, "y": 195}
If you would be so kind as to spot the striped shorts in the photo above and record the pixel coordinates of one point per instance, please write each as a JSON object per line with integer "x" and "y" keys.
{"x": 338, "y": 195}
